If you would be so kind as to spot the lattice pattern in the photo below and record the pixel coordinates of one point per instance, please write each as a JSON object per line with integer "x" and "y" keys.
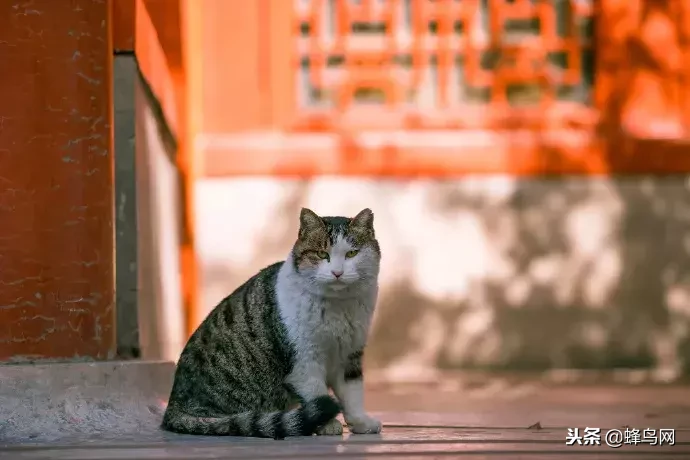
{"x": 443, "y": 54}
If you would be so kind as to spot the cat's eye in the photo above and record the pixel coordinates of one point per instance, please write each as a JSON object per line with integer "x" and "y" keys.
{"x": 322, "y": 254}
{"x": 351, "y": 254}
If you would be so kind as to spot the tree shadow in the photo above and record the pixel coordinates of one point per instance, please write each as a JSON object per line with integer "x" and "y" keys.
{"x": 599, "y": 274}
{"x": 594, "y": 265}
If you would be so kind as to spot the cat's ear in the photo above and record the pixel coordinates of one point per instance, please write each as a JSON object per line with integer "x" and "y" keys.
{"x": 308, "y": 220}
{"x": 365, "y": 219}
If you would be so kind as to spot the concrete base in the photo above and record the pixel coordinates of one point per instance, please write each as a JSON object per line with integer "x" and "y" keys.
{"x": 49, "y": 402}
{"x": 112, "y": 410}
{"x": 124, "y": 400}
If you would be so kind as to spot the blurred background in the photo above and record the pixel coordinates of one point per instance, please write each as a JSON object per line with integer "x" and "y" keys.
{"x": 527, "y": 163}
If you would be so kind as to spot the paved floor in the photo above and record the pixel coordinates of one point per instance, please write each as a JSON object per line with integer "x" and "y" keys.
{"x": 490, "y": 422}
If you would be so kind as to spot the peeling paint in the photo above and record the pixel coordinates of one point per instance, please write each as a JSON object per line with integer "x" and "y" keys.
{"x": 56, "y": 243}
{"x": 80, "y": 140}
{"x": 93, "y": 81}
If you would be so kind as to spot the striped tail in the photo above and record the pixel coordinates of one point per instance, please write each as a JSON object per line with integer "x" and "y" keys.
{"x": 302, "y": 421}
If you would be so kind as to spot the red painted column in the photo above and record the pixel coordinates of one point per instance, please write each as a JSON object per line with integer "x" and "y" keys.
{"x": 56, "y": 180}
{"x": 123, "y": 24}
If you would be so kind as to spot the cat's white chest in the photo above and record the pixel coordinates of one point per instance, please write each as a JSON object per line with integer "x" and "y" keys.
{"x": 331, "y": 328}
{"x": 325, "y": 330}
{"x": 343, "y": 330}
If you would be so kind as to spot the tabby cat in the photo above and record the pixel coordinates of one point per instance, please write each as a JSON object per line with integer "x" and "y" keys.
{"x": 262, "y": 363}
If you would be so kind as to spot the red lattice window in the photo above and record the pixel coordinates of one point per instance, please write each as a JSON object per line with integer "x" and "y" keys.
{"x": 410, "y": 64}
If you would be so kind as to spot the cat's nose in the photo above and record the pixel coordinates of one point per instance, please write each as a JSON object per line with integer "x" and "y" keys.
{"x": 337, "y": 273}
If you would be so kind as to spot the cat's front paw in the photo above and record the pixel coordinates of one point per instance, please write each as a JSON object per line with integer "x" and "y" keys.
{"x": 332, "y": 428}
{"x": 364, "y": 425}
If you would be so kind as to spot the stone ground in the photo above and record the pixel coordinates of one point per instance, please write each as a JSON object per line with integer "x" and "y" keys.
{"x": 497, "y": 419}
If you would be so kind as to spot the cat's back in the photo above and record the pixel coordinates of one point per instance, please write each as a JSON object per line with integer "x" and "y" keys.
{"x": 252, "y": 303}
{"x": 239, "y": 354}
{"x": 246, "y": 320}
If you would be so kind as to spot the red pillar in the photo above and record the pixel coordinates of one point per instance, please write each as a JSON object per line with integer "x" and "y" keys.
{"x": 56, "y": 180}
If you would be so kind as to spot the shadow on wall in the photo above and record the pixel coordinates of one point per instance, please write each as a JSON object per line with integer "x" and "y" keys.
{"x": 576, "y": 273}
{"x": 490, "y": 272}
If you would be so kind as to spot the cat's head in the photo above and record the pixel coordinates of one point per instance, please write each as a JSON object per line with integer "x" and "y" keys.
{"x": 336, "y": 251}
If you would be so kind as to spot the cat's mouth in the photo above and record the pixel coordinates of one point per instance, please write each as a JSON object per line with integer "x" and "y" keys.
{"x": 338, "y": 284}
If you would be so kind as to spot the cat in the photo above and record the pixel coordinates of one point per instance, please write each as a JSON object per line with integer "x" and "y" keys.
{"x": 262, "y": 362}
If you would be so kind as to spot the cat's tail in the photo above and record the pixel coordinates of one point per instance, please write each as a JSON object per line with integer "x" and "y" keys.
{"x": 302, "y": 421}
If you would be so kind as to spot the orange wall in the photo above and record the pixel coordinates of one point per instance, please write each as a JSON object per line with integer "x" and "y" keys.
{"x": 123, "y": 24}
{"x": 56, "y": 181}
{"x": 239, "y": 81}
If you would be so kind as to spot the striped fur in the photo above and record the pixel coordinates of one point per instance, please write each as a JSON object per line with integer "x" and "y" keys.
{"x": 301, "y": 421}
{"x": 262, "y": 363}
